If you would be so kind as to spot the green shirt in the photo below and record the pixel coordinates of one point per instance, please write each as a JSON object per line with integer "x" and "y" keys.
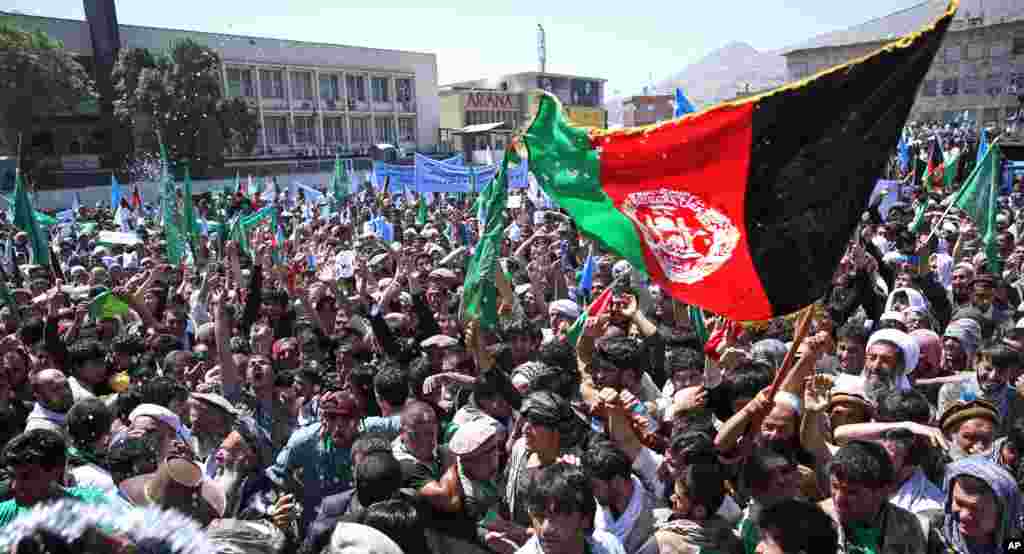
{"x": 11, "y": 510}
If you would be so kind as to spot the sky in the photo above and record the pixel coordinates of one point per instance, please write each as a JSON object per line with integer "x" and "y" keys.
{"x": 474, "y": 40}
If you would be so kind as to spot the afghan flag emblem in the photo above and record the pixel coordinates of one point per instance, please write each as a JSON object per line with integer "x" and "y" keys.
{"x": 746, "y": 208}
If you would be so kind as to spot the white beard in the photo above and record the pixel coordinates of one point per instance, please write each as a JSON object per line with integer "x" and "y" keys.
{"x": 229, "y": 479}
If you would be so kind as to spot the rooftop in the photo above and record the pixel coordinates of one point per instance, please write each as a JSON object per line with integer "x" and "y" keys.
{"x": 75, "y": 35}
{"x": 891, "y": 27}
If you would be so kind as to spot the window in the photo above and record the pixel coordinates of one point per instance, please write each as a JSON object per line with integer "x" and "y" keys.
{"x": 380, "y": 89}
{"x": 1018, "y": 45}
{"x": 975, "y": 51}
{"x": 361, "y": 129}
{"x": 302, "y": 86}
{"x": 356, "y": 85}
{"x": 329, "y": 90}
{"x": 271, "y": 84}
{"x": 1000, "y": 48}
{"x": 990, "y": 115}
{"x": 929, "y": 88}
{"x": 305, "y": 131}
{"x": 799, "y": 70}
{"x": 950, "y": 116}
{"x": 240, "y": 83}
{"x": 403, "y": 90}
{"x": 277, "y": 130}
{"x": 385, "y": 131}
{"x": 407, "y": 129}
{"x": 970, "y": 84}
{"x": 333, "y": 133}
{"x": 994, "y": 84}
{"x": 949, "y": 87}
{"x": 952, "y": 53}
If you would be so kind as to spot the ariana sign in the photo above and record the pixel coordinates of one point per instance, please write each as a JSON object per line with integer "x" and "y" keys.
{"x": 490, "y": 101}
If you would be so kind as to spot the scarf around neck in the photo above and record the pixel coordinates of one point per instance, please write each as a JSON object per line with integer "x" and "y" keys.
{"x": 38, "y": 411}
{"x": 621, "y": 527}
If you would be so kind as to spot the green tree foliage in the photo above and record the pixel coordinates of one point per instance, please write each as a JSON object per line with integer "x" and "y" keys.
{"x": 37, "y": 78}
{"x": 179, "y": 94}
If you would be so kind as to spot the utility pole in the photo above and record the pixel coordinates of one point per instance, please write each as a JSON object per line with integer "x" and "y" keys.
{"x": 542, "y": 49}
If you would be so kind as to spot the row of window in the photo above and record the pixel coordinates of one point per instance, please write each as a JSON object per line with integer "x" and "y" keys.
{"x": 998, "y": 53}
{"x": 988, "y": 115}
{"x": 953, "y": 53}
{"x": 241, "y": 83}
{"x": 994, "y": 85}
{"x": 305, "y": 130}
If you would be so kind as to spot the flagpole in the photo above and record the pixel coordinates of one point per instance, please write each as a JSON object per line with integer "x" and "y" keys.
{"x": 953, "y": 202}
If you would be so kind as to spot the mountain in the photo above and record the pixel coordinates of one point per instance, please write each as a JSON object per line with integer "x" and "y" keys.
{"x": 718, "y": 76}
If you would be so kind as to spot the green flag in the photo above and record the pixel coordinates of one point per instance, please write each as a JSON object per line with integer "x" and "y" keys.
{"x": 696, "y": 316}
{"x": 918, "y": 222}
{"x": 421, "y": 212}
{"x": 188, "y": 212}
{"x": 243, "y": 226}
{"x": 480, "y": 292}
{"x": 169, "y": 213}
{"x": 339, "y": 184}
{"x": 45, "y": 220}
{"x": 24, "y": 219}
{"x": 978, "y": 198}
{"x": 106, "y": 306}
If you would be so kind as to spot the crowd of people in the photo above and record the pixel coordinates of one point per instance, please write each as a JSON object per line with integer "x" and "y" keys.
{"x": 320, "y": 393}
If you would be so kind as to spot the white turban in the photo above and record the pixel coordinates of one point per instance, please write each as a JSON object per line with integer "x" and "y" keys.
{"x": 906, "y": 343}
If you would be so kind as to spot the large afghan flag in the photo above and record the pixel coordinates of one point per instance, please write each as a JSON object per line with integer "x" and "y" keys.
{"x": 746, "y": 208}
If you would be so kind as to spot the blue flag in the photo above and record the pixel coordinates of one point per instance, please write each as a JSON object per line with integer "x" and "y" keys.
{"x": 683, "y": 105}
{"x": 982, "y": 146}
{"x": 115, "y": 193}
{"x": 903, "y": 151}
{"x": 587, "y": 277}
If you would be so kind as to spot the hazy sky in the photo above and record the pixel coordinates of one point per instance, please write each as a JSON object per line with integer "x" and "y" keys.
{"x": 475, "y": 39}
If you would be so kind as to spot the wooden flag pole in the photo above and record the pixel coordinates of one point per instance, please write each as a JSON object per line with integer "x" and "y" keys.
{"x": 799, "y": 333}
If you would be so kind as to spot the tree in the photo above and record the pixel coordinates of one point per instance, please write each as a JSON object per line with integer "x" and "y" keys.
{"x": 38, "y": 78}
{"x": 179, "y": 94}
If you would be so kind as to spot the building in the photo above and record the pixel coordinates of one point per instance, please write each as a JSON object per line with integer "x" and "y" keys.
{"x": 647, "y": 109}
{"x": 483, "y": 113}
{"x": 312, "y": 99}
{"x": 979, "y": 69}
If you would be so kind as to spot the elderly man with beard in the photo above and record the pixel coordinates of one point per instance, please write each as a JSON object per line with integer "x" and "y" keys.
{"x": 211, "y": 416}
{"x": 991, "y": 382}
{"x": 239, "y": 466}
{"x": 780, "y": 417}
{"x": 317, "y": 460}
{"x": 53, "y": 397}
{"x": 891, "y": 354}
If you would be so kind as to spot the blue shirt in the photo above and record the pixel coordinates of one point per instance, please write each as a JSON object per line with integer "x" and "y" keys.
{"x": 314, "y": 466}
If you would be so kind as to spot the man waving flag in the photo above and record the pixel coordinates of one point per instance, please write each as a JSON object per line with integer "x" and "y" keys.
{"x": 745, "y": 208}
